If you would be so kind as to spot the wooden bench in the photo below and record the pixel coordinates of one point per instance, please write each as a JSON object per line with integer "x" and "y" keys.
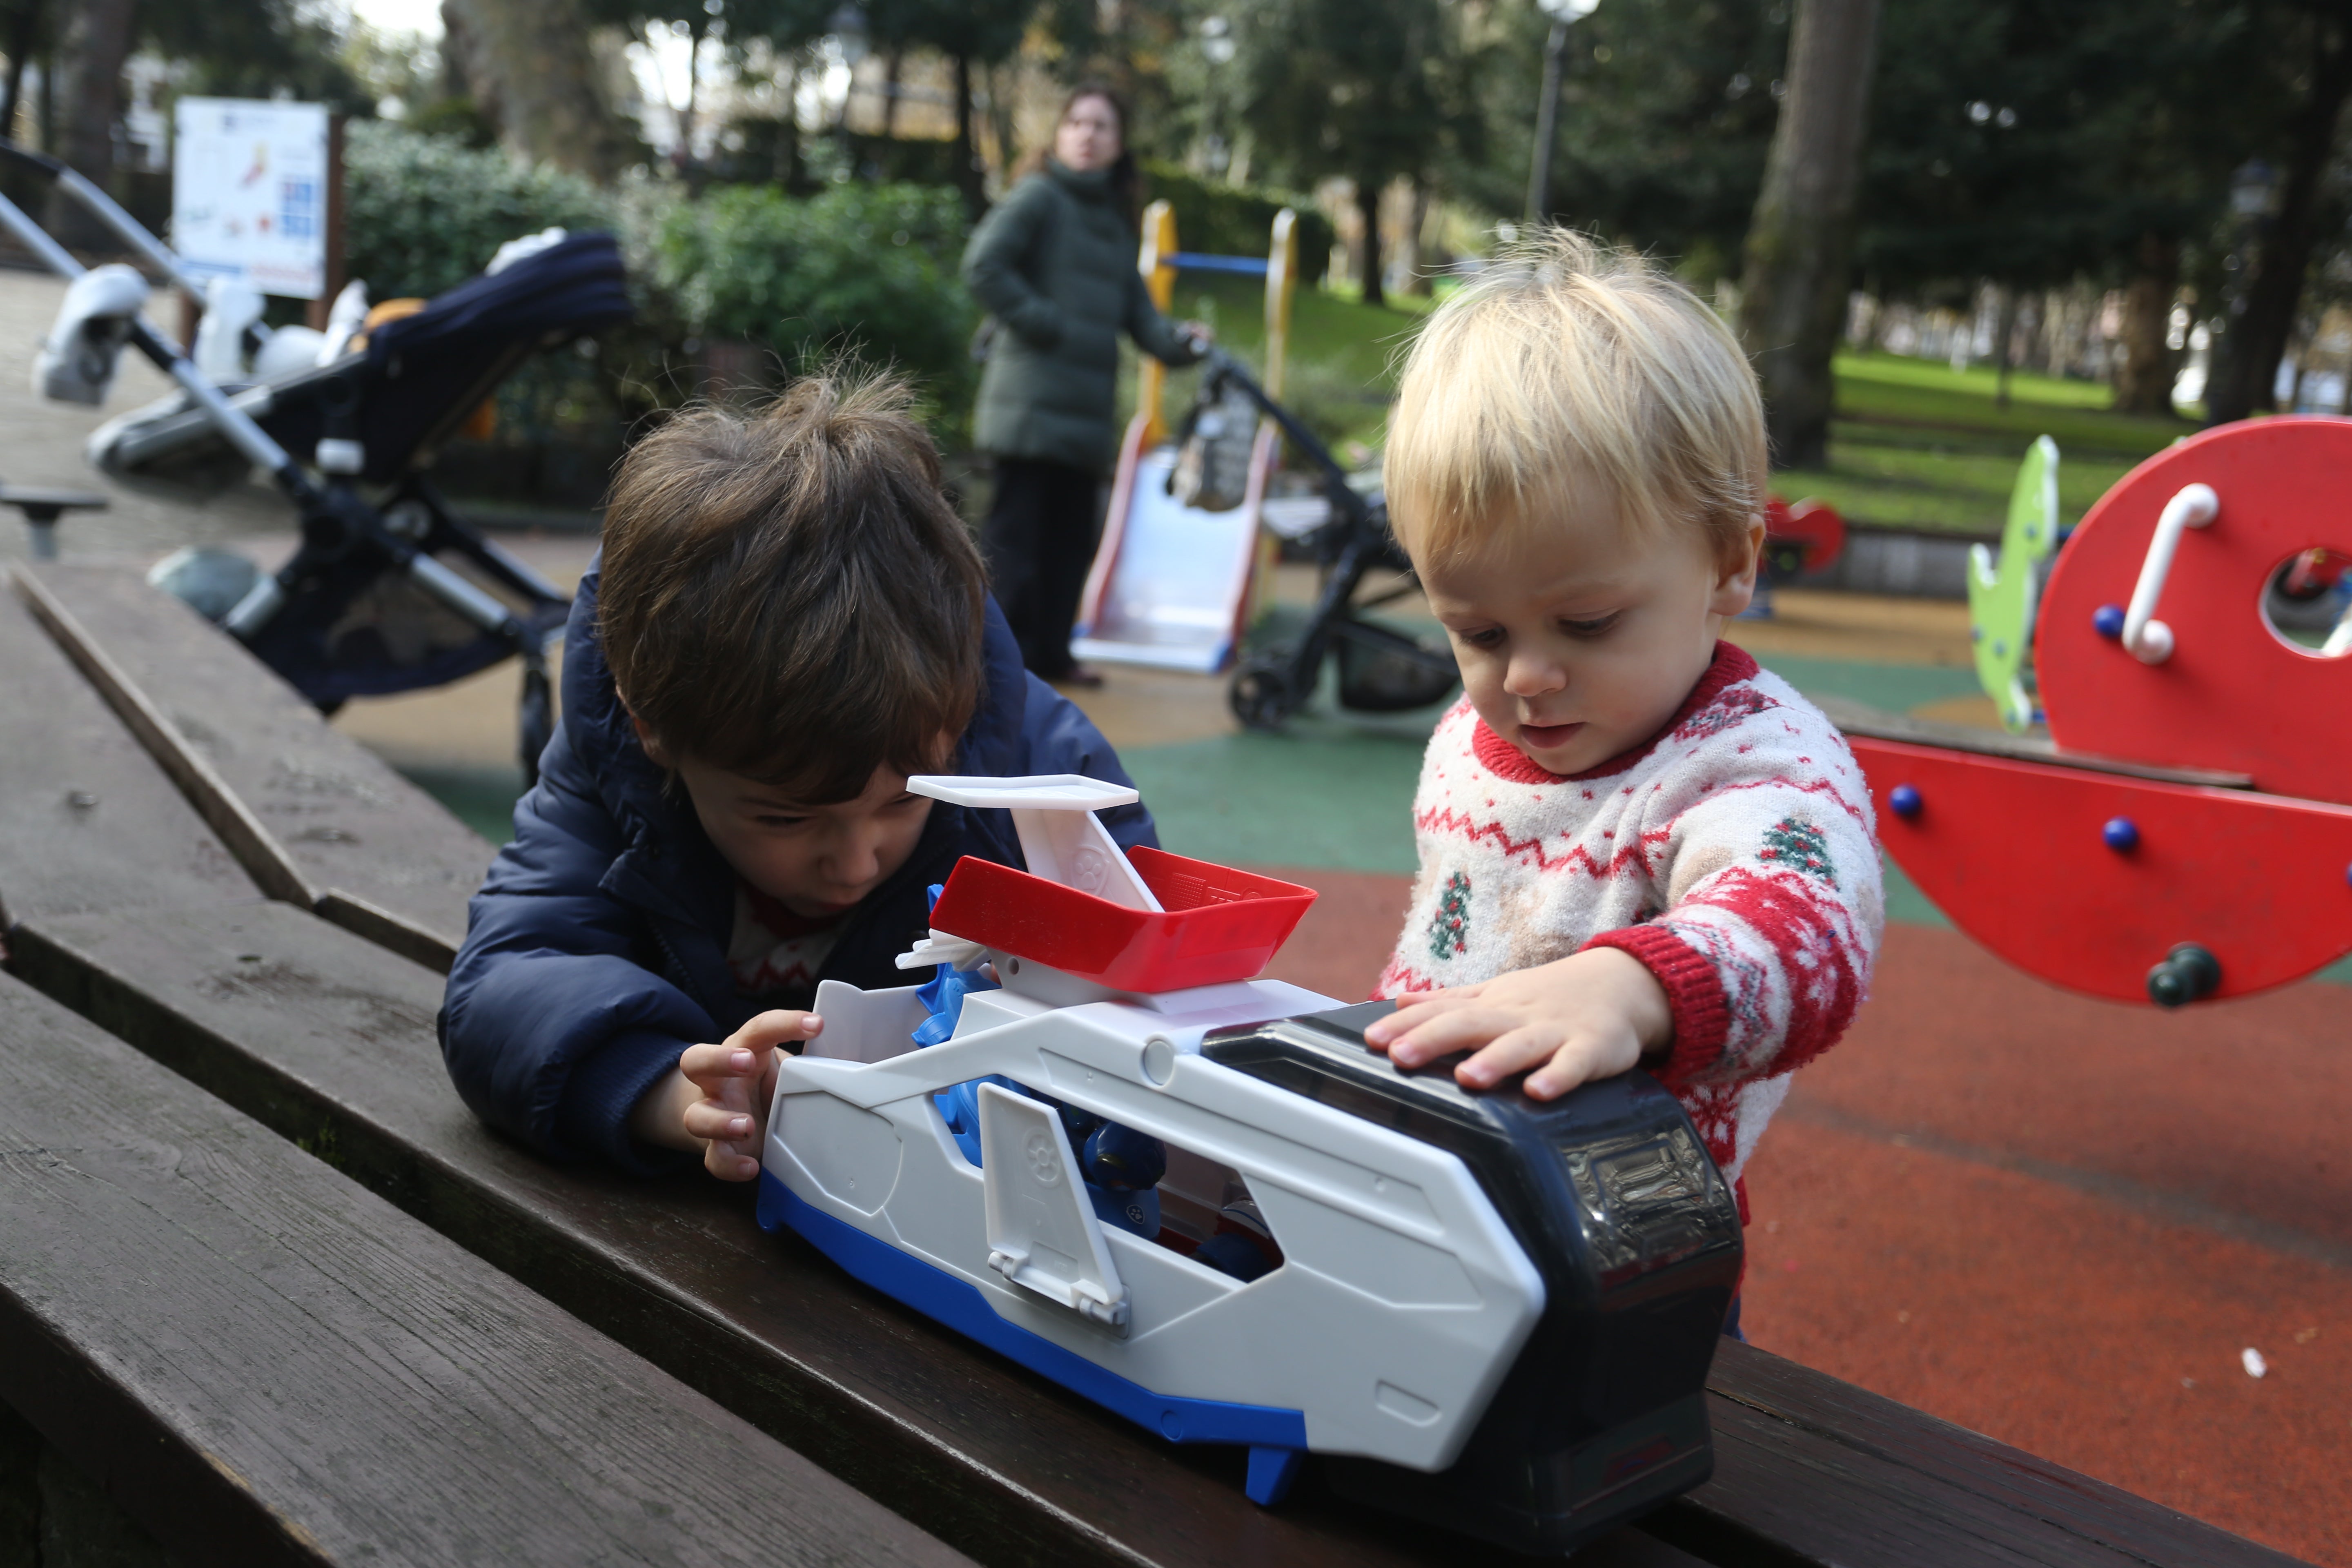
{"x": 315, "y": 819}
{"x": 328, "y": 1039}
{"x": 260, "y": 1359}
{"x": 85, "y": 821}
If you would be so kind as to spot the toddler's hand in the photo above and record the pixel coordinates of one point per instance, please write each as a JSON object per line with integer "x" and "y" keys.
{"x": 1592, "y": 1014}
{"x": 733, "y": 1084}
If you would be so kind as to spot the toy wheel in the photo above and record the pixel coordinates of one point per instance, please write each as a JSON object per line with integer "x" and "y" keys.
{"x": 1260, "y": 695}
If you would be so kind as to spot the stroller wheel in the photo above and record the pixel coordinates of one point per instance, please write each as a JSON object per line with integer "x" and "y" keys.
{"x": 1261, "y": 695}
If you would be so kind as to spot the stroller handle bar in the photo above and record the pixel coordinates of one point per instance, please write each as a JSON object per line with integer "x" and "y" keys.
{"x": 249, "y": 439}
{"x": 1223, "y": 366}
{"x": 127, "y": 228}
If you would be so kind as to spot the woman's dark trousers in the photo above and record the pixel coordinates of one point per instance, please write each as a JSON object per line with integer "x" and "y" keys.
{"x": 1040, "y": 539}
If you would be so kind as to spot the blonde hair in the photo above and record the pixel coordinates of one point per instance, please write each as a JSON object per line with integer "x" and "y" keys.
{"x": 1567, "y": 360}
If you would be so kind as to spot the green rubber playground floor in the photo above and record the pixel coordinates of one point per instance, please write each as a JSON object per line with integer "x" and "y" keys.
{"x": 1330, "y": 793}
{"x": 1333, "y": 793}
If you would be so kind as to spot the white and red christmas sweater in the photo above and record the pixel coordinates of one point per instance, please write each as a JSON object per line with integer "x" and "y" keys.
{"x": 1735, "y": 855}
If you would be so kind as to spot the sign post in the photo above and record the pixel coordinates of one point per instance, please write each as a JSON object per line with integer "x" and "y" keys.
{"x": 257, "y": 194}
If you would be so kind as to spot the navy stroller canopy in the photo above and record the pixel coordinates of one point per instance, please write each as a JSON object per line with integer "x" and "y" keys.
{"x": 416, "y": 380}
{"x": 574, "y": 286}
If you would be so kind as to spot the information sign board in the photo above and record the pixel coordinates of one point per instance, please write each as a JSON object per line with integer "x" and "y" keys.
{"x": 249, "y": 196}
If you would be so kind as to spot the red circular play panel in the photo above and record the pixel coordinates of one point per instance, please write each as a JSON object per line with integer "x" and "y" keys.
{"x": 2233, "y": 696}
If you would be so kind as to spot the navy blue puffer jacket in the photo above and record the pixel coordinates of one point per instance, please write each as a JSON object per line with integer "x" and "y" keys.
{"x": 596, "y": 950}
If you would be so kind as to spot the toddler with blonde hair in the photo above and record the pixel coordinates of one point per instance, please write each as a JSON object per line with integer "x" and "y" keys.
{"x": 1637, "y": 848}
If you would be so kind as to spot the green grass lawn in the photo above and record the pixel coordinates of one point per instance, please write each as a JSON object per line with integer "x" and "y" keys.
{"x": 1917, "y": 444}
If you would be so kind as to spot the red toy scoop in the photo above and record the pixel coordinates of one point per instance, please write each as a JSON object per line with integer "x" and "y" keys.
{"x": 1215, "y": 923}
{"x": 1147, "y": 922}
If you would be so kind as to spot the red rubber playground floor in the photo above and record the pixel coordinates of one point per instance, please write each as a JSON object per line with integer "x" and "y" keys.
{"x": 2057, "y": 1221}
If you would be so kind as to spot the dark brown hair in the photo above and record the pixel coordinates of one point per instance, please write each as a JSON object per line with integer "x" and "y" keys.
{"x": 1125, "y": 175}
{"x": 788, "y": 595}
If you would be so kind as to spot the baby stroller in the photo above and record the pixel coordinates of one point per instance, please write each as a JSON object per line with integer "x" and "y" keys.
{"x": 389, "y": 590}
{"x": 1381, "y": 671}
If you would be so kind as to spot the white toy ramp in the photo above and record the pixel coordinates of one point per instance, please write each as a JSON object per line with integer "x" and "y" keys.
{"x": 1173, "y": 579}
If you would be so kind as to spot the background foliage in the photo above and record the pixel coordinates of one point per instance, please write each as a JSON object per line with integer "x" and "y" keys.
{"x": 869, "y": 269}
{"x": 425, "y": 213}
{"x": 1235, "y": 220}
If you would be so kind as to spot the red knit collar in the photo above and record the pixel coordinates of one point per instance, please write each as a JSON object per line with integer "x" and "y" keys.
{"x": 779, "y": 921}
{"x": 1730, "y": 667}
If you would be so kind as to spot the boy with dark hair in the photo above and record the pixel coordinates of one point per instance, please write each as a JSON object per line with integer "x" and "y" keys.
{"x": 786, "y": 620}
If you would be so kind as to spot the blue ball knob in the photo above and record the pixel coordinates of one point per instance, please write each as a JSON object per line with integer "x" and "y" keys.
{"x": 1904, "y": 802}
{"x": 2108, "y": 620}
{"x": 2121, "y": 833}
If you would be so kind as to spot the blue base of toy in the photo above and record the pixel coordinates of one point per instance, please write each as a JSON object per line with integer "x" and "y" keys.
{"x": 1276, "y": 1439}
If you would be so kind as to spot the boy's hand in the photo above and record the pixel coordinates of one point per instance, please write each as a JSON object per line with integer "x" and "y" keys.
{"x": 718, "y": 1100}
{"x": 1592, "y": 1014}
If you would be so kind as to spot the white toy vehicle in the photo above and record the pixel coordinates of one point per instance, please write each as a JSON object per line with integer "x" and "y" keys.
{"x": 1489, "y": 1312}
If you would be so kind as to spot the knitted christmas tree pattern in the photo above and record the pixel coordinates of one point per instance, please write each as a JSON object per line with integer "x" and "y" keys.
{"x": 1449, "y": 929}
{"x": 1795, "y": 842}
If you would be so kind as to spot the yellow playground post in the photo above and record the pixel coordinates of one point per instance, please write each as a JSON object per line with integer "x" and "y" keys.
{"x": 1172, "y": 583}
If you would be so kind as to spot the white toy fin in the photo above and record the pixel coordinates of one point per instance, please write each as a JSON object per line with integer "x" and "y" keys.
{"x": 1061, "y": 838}
{"x": 1041, "y": 1230}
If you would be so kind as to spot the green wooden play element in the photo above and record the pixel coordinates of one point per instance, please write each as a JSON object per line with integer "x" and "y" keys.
{"x": 2000, "y": 599}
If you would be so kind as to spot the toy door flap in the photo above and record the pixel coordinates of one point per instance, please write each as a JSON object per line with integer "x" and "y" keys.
{"x": 865, "y": 1025}
{"x": 1042, "y": 1232}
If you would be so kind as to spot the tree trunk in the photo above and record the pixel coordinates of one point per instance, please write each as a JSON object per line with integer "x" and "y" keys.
{"x": 20, "y": 50}
{"x": 534, "y": 76}
{"x": 1004, "y": 85}
{"x": 2004, "y": 334}
{"x": 694, "y": 31}
{"x": 89, "y": 57}
{"x": 1368, "y": 209}
{"x": 1793, "y": 285}
{"x": 2246, "y": 372}
{"x": 893, "y": 63}
{"x": 1416, "y": 265}
{"x": 786, "y": 170}
{"x": 968, "y": 174}
{"x": 2144, "y": 383}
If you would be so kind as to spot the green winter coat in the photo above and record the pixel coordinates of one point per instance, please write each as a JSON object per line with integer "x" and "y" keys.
{"x": 1055, "y": 263}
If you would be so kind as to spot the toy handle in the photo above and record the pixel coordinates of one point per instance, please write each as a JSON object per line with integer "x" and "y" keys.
{"x": 2147, "y": 638}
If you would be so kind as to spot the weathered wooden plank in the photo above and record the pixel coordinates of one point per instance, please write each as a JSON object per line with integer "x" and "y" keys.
{"x": 262, "y": 1361}
{"x": 316, "y": 818}
{"x": 330, "y": 1041}
{"x": 87, "y": 821}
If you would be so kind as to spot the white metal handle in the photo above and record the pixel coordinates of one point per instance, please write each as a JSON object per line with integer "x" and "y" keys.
{"x": 2147, "y": 638}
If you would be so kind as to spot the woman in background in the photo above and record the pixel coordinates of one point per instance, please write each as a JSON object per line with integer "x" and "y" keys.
{"x": 1055, "y": 263}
